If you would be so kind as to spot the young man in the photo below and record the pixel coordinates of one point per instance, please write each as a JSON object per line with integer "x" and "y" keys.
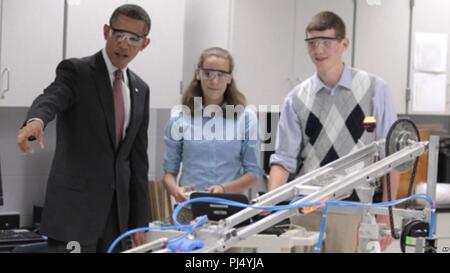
{"x": 97, "y": 186}
{"x": 322, "y": 120}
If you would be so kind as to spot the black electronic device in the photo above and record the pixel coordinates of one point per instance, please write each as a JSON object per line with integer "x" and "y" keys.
{"x": 217, "y": 212}
{"x": 9, "y": 220}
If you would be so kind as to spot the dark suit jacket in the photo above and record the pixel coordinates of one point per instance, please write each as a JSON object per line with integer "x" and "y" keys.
{"x": 87, "y": 167}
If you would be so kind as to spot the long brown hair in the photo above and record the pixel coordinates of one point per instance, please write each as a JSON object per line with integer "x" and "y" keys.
{"x": 232, "y": 95}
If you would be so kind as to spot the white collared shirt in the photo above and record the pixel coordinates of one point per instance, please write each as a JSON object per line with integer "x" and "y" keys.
{"x": 125, "y": 88}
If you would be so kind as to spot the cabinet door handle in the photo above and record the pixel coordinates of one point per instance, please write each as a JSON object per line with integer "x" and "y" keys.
{"x": 5, "y": 71}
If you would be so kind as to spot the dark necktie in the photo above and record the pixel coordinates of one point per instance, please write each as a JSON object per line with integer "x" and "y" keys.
{"x": 119, "y": 108}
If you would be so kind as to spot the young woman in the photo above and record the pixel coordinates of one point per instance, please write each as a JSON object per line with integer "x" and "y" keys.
{"x": 213, "y": 137}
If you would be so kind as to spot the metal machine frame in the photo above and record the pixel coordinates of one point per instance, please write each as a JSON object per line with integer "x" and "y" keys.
{"x": 334, "y": 181}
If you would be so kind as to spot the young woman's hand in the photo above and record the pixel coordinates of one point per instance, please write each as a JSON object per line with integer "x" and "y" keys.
{"x": 217, "y": 189}
{"x": 180, "y": 193}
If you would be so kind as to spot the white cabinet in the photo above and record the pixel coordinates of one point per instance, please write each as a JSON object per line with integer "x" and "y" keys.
{"x": 382, "y": 44}
{"x": 3, "y": 89}
{"x": 85, "y": 21}
{"x": 160, "y": 64}
{"x": 31, "y": 47}
{"x": 207, "y": 24}
{"x": 265, "y": 38}
{"x": 258, "y": 33}
{"x": 268, "y": 44}
{"x": 439, "y": 10}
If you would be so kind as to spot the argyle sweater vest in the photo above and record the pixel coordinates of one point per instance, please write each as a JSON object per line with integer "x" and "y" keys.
{"x": 333, "y": 125}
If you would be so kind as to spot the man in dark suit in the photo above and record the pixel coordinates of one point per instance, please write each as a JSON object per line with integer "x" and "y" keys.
{"x": 97, "y": 186}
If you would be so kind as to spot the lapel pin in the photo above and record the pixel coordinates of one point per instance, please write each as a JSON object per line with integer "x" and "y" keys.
{"x": 137, "y": 90}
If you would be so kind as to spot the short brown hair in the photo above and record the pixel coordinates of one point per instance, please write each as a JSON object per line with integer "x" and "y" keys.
{"x": 232, "y": 95}
{"x": 327, "y": 20}
{"x": 135, "y": 12}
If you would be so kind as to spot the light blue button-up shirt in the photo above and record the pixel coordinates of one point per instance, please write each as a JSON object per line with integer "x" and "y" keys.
{"x": 210, "y": 160}
{"x": 289, "y": 136}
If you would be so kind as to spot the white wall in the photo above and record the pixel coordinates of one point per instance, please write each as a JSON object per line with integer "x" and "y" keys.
{"x": 207, "y": 24}
{"x": 263, "y": 47}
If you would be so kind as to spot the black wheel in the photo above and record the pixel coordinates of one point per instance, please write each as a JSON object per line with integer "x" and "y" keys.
{"x": 398, "y": 137}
